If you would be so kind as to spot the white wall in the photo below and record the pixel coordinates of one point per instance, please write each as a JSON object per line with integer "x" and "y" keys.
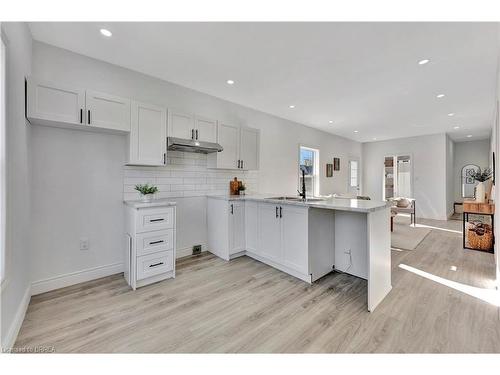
{"x": 429, "y": 171}
{"x": 73, "y": 191}
{"x": 450, "y": 180}
{"x": 471, "y": 152}
{"x": 15, "y": 289}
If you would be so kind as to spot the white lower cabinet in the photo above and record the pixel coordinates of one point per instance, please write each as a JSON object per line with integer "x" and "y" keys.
{"x": 273, "y": 234}
{"x": 150, "y": 247}
{"x": 226, "y": 228}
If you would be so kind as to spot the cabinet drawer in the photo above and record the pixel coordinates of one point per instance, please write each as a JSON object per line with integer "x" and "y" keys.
{"x": 152, "y": 242}
{"x": 155, "y": 219}
{"x": 154, "y": 264}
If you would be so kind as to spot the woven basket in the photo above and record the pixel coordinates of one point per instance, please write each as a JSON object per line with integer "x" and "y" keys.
{"x": 479, "y": 236}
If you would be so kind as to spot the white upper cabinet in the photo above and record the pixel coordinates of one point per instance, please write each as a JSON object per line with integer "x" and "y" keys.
{"x": 205, "y": 129}
{"x": 241, "y": 148}
{"x": 107, "y": 111}
{"x": 228, "y": 136}
{"x": 249, "y": 148}
{"x": 53, "y": 102}
{"x": 181, "y": 125}
{"x": 148, "y": 135}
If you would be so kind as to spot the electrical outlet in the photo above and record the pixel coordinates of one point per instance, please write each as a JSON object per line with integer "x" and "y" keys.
{"x": 196, "y": 249}
{"x": 84, "y": 243}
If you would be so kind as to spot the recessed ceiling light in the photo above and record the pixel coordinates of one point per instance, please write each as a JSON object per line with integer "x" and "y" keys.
{"x": 330, "y": 122}
{"x": 451, "y": 114}
{"x": 469, "y": 136}
{"x": 230, "y": 82}
{"x": 355, "y": 131}
{"x": 423, "y": 62}
{"x": 456, "y": 127}
{"x": 106, "y": 32}
{"x": 291, "y": 106}
{"x": 439, "y": 96}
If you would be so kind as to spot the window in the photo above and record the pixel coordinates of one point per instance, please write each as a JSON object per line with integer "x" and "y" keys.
{"x": 353, "y": 174}
{"x": 2, "y": 159}
{"x": 309, "y": 163}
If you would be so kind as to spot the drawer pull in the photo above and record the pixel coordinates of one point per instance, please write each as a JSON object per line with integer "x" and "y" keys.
{"x": 155, "y": 220}
{"x": 156, "y": 242}
{"x": 155, "y": 265}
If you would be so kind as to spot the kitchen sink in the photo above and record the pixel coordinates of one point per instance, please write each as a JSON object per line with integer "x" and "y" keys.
{"x": 296, "y": 199}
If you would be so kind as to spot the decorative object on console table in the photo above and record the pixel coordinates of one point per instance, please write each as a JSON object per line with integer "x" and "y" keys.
{"x": 478, "y": 229}
{"x": 329, "y": 170}
{"x": 234, "y": 187}
{"x": 147, "y": 191}
{"x": 336, "y": 164}
{"x": 481, "y": 177}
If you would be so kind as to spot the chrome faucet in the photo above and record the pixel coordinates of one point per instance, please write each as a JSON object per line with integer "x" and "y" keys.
{"x": 303, "y": 193}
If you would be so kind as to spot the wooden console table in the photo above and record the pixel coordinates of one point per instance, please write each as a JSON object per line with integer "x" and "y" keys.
{"x": 477, "y": 232}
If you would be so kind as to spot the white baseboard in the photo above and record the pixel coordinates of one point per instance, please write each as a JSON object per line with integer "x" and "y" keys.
{"x": 186, "y": 251}
{"x": 13, "y": 331}
{"x": 73, "y": 278}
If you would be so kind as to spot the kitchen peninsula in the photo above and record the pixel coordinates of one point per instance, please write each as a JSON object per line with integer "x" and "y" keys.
{"x": 306, "y": 238}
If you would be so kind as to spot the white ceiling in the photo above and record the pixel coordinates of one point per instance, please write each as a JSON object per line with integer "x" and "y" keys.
{"x": 361, "y": 76}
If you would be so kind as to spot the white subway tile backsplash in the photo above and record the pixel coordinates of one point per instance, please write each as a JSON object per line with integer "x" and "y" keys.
{"x": 185, "y": 175}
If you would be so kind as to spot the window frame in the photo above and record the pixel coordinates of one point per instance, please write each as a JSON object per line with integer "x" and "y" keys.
{"x": 3, "y": 159}
{"x": 316, "y": 171}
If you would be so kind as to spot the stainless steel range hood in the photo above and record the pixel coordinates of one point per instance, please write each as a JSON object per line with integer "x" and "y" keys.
{"x": 190, "y": 145}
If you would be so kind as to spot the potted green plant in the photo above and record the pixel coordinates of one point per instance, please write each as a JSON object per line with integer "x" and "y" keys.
{"x": 147, "y": 191}
{"x": 242, "y": 189}
{"x": 481, "y": 177}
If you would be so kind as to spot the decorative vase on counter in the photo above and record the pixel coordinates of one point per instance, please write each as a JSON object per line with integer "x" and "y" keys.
{"x": 147, "y": 198}
{"x": 480, "y": 192}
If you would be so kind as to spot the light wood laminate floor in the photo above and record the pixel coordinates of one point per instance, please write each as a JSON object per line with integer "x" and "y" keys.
{"x": 246, "y": 306}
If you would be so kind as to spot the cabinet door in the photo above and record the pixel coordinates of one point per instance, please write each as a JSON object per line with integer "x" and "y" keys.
{"x": 107, "y": 111}
{"x": 54, "y": 102}
{"x": 294, "y": 238}
{"x": 228, "y": 136}
{"x": 249, "y": 148}
{"x": 252, "y": 227}
{"x": 270, "y": 232}
{"x": 148, "y": 135}
{"x": 206, "y": 129}
{"x": 237, "y": 227}
{"x": 181, "y": 125}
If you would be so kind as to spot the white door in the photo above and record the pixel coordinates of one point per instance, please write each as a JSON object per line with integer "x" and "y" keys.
{"x": 107, "y": 111}
{"x": 181, "y": 125}
{"x": 229, "y": 138}
{"x": 148, "y": 135}
{"x": 270, "y": 232}
{"x": 294, "y": 238}
{"x": 353, "y": 182}
{"x": 249, "y": 148}
{"x": 205, "y": 129}
{"x": 237, "y": 227}
{"x": 252, "y": 227}
{"x": 54, "y": 102}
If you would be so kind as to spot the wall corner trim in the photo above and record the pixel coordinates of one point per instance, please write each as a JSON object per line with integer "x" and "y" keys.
{"x": 10, "y": 338}
{"x": 46, "y": 285}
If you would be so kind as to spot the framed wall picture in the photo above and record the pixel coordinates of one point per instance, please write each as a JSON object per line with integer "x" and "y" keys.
{"x": 329, "y": 170}
{"x": 336, "y": 164}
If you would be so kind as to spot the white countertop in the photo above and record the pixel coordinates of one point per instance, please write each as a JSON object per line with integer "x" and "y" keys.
{"x": 153, "y": 203}
{"x": 341, "y": 204}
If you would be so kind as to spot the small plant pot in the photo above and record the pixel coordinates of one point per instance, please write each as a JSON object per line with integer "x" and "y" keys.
{"x": 147, "y": 198}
